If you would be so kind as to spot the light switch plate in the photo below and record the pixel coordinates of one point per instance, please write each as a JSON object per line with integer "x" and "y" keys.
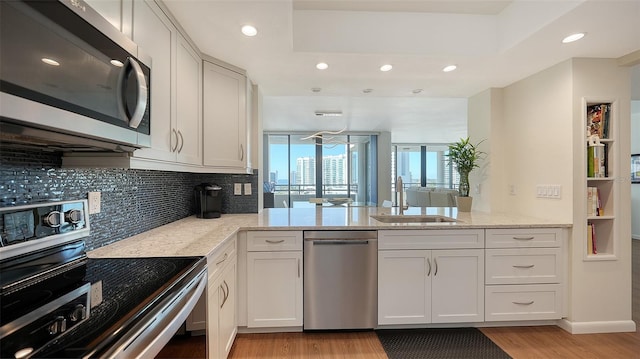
{"x": 237, "y": 189}
{"x": 247, "y": 189}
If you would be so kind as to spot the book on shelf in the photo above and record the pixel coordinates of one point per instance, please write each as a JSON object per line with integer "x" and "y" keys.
{"x": 598, "y": 120}
{"x": 591, "y": 238}
{"x": 596, "y": 159}
{"x": 594, "y": 203}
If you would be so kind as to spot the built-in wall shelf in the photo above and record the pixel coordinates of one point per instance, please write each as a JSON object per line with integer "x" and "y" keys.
{"x": 600, "y": 185}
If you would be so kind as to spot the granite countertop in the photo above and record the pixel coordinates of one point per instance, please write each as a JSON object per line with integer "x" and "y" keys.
{"x": 193, "y": 236}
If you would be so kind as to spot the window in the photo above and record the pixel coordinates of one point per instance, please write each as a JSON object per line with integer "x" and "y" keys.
{"x": 341, "y": 166}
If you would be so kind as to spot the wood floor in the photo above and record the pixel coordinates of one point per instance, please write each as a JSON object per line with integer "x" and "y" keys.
{"x": 519, "y": 342}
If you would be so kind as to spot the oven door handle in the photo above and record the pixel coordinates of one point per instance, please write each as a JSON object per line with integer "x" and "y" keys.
{"x": 148, "y": 338}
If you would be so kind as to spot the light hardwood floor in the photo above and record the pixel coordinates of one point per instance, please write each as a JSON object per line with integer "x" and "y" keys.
{"x": 519, "y": 342}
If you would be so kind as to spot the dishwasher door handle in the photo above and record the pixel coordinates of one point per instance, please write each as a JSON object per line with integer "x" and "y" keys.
{"x": 339, "y": 242}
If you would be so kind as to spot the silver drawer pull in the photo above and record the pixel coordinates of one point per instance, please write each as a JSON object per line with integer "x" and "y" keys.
{"x": 273, "y": 242}
{"x": 523, "y": 238}
{"x": 524, "y": 303}
{"x": 527, "y": 266}
{"x": 223, "y": 259}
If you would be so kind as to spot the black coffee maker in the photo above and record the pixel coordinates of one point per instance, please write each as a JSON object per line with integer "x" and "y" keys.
{"x": 207, "y": 200}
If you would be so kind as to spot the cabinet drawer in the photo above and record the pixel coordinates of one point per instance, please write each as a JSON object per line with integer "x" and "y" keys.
{"x": 220, "y": 258}
{"x": 269, "y": 241}
{"x": 431, "y": 239}
{"x": 524, "y": 265}
{"x": 522, "y": 302}
{"x": 528, "y": 237}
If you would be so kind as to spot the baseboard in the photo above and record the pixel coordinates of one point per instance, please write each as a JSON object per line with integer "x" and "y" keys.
{"x": 617, "y": 326}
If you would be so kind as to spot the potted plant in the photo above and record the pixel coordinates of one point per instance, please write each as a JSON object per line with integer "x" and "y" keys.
{"x": 464, "y": 155}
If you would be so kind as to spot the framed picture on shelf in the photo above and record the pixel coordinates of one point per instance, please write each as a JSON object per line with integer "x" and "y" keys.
{"x": 635, "y": 168}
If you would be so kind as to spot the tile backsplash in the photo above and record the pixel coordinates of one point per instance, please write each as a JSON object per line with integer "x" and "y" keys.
{"x": 133, "y": 201}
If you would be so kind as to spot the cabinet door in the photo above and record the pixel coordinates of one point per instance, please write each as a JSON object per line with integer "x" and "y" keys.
{"x": 227, "y": 316}
{"x": 214, "y": 299}
{"x": 274, "y": 289}
{"x": 188, "y": 113}
{"x": 224, "y": 126}
{"x": 153, "y": 32}
{"x": 457, "y": 286}
{"x": 404, "y": 287}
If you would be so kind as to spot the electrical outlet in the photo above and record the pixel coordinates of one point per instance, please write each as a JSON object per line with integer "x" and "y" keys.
{"x": 237, "y": 189}
{"x": 94, "y": 202}
{"x": 247, "y": 189}
{"x": 96, "y": 293}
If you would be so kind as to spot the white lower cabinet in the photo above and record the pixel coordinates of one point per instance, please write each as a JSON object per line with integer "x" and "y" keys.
{"x": 524, "y": 276}
{"x": 430, "y": 286}
{"x": 274, "y": 279}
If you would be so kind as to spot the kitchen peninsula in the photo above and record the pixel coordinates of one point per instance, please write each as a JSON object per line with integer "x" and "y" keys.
{"x": 510, "y": 269}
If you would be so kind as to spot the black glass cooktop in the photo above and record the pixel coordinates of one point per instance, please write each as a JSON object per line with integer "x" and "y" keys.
{"x": 130, "y": 287}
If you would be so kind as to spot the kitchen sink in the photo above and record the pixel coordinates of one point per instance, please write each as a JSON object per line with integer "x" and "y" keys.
{"x": 408, "y": 218}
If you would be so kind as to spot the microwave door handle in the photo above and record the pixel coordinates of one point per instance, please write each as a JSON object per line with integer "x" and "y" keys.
{"x": 141, "y": 104}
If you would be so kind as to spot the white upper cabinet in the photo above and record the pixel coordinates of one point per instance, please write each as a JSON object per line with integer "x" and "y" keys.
{"x": 188, "y": 103}
{"x": 225, "y": 119}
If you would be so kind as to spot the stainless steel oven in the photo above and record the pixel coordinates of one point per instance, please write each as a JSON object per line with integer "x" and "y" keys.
{"x": 69, "y": 78}
{"x": 57, "y": 303}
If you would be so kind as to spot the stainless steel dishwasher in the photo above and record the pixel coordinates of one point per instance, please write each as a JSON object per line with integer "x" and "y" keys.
{"x": 340, "y": 280}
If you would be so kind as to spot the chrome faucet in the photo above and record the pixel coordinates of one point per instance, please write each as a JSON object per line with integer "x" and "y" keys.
{"x": 399, "y": 189}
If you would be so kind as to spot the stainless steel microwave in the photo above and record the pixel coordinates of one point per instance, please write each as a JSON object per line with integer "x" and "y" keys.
{"x": 70, "y": 80}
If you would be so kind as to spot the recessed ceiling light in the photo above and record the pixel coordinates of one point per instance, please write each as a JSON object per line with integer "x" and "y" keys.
{"x": 50, "y": 62}
{"x": 573, "y": 37}
{"x": 322, "y": 66}
{"x": 417, "y": 91}
{"x": 249, "y": 30}
{"x": 116, "y": 63}
{"x": 316, "y": 89}
{"x": 367, "y": 90}
{"x": 449, "y": 68}
{"x": 385, "y": 68}
{"x": 328, "y": 113}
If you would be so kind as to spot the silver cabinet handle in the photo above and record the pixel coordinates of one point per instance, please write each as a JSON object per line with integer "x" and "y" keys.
{"x": 173, "y": 148}
{"x": 524, "y": 303}
{"x": 523, "y": 238}
{"x": 227, "y": 286}
{"x": 274, "y": 242}
{"x": 298, "y": 268}
{"x": 241, "y": 152}
{"x": 435, "y": 260}
{"x": 181, "y": 141}
{"x": 523, "y": 266}
{"x": 429, "y": 262}
{"x": 223, "y": 259}
{"x": 224, "y": 296}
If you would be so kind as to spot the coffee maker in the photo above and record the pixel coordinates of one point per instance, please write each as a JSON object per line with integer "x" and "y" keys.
{"x": 207, "y": 200}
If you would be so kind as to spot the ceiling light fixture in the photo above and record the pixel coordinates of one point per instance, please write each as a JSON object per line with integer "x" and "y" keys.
{"x": 50, "y": 62}
{"x": 322, "y": 66}
{"x": 316, "y": 89}
{"x": 416, "y": 91}
{"x": 573, "y": 37}
{"x": 249, "y": 30}
{"x": 328, "y": 113}
{"x": 367, "y": 90}
{"x": 385, "y": 68}
{"x": 449, "y": 68}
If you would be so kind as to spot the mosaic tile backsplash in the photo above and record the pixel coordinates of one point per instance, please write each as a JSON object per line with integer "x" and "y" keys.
{"x": 133, "y": 201}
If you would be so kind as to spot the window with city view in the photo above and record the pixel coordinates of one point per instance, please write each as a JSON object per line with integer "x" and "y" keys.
{"x": 422, "y": 165}
{"x": 341, "y": 166}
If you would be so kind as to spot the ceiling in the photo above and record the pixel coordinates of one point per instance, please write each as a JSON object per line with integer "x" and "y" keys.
{"x": 493, "y": 43}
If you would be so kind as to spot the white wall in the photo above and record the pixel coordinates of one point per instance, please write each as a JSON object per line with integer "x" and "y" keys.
{"x": 536, "y": 145}
{"x": 484, "y": 122}
{"x": 635, "y": 188}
